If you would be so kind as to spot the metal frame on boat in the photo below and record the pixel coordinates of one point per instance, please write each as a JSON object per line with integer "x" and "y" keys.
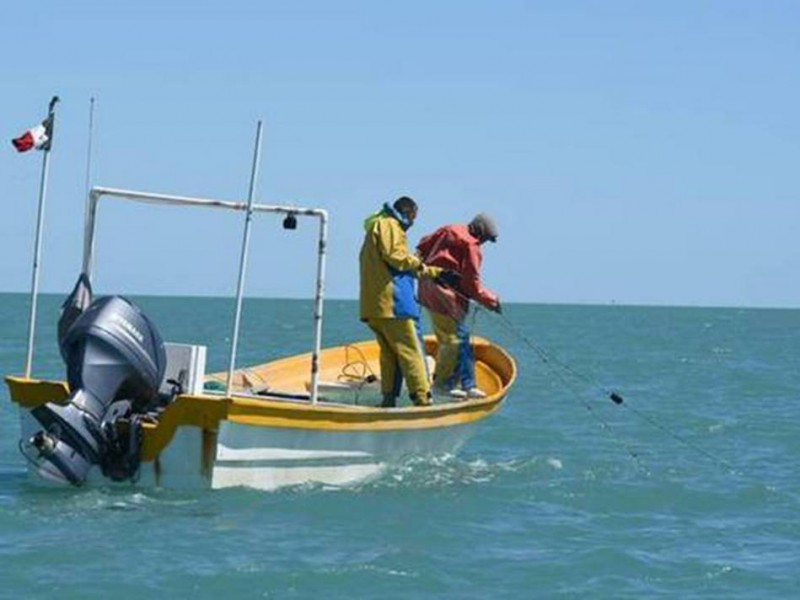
{"x": 98, "y": 193}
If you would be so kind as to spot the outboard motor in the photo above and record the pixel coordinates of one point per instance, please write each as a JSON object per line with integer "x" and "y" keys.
{"x": 74, "y": 306}
{"x": 113, "y": 352}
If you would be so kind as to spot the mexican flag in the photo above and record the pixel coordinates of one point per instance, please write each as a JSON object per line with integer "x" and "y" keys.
{"x": 36, "y": 138}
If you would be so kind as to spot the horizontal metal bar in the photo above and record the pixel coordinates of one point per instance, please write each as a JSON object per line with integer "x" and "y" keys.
{"x": 168, "y": 199}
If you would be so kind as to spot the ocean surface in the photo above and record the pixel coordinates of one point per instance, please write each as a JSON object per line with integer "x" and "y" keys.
{"x": 689, "y": 489}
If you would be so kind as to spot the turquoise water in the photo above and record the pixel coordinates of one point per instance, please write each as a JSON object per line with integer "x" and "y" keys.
{"x": 689, "y": 490}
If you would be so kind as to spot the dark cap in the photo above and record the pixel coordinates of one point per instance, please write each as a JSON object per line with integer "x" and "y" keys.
{"x": 484, "y": 227}
{"x": 405, "y": 204}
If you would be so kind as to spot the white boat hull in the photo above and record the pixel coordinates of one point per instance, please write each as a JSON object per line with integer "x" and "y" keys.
{"x": 268, "y": 458}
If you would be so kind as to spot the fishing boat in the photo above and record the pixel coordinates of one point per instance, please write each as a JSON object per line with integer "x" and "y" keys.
{"x": 135, "y": 408}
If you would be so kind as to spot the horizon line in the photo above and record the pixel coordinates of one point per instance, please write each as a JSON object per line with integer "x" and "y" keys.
{"x": 609, "y": 304}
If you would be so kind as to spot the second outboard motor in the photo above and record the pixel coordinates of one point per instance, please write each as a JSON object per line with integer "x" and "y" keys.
{"x": 112, "y": 351}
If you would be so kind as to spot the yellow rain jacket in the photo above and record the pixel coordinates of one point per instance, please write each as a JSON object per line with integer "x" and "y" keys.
{"x": 388, "y": 268}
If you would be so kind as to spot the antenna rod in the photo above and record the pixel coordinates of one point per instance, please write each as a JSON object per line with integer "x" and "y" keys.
{"x": 243, "y": 260}
{"x": 89, "y": 147}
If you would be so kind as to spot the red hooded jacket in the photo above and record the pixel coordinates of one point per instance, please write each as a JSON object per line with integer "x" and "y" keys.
{"x": 452, "y": 247}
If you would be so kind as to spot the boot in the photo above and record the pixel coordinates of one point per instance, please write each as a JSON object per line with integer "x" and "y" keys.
{"x": 422, "y": 400}
{"x": 389, "y": 401}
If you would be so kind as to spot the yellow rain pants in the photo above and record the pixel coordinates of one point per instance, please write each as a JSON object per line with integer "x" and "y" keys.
{"x": 455, "y": 360}
{"x": 444, "y": 327}
{"x": 402, "y": 357}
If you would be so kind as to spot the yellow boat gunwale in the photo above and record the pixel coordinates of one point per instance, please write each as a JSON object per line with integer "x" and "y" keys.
{"x": 205, "y": 411}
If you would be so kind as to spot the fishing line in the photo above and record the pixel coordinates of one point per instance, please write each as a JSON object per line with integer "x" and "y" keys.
{"x": 559, "y": 368}
{"x": 550, "y": 362}
{"x": 616, "y": 398}
{"x": 577, "y": 394}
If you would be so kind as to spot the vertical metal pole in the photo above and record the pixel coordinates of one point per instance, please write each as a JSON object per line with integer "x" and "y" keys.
{"x": 91, "y": 202}
{"x": 37, "y": 252}
{"x": 318, "y": 299}
{"x": 89, "y": 227}
{"x": 89, "y": 147}
{"x": 243, "y": 260}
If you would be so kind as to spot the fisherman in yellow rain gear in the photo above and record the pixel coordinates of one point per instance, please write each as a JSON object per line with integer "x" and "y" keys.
{"x": 388, "y": 302}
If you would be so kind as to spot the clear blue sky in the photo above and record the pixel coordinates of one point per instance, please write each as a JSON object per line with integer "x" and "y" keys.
{"x": 637, "y": 152}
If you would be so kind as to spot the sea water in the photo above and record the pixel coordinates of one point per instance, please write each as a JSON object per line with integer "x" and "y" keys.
{"x": 689, "y": 489}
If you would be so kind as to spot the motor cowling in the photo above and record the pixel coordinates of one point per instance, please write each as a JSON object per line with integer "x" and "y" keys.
{"x": 112, "y": 352}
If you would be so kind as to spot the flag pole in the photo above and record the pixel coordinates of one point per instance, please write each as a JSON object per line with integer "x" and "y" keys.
{"x": 51, "y": 116}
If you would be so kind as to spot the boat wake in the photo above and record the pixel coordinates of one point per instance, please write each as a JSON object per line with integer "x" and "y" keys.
{"x": 451, "y": 471}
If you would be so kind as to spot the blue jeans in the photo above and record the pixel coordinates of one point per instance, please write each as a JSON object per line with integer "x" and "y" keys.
{"x": 455, "y": 361}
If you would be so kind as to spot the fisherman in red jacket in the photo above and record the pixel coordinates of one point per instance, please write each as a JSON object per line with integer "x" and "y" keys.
{"x": 456, "y": 248}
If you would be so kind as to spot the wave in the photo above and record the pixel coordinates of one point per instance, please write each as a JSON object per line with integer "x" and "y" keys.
{"x": 451, "y": 470}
